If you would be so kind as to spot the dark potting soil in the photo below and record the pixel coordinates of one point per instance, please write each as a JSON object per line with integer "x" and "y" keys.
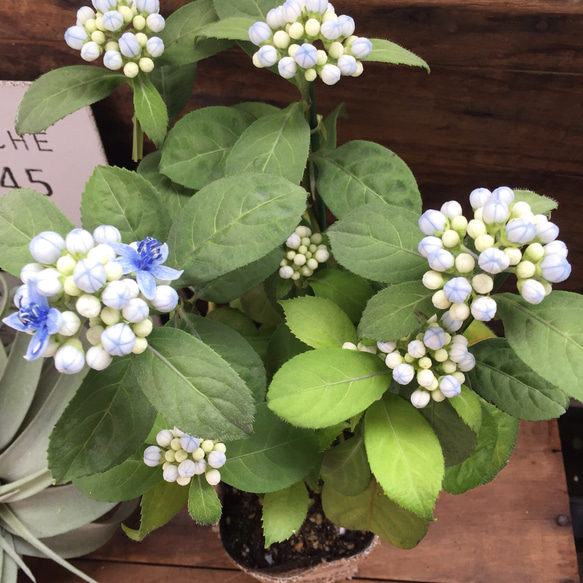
{"x": 318, "y": 539}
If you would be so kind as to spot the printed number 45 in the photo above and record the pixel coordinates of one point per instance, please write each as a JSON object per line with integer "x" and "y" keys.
{"x": 8, "y": 180}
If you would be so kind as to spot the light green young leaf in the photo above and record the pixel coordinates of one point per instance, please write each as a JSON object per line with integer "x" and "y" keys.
{"x": 359, "y": 173}
{"x": 322, "y": 387}
{"x": 61, "y": 92}
{"x": 396, "y": 311}
{"x": 345, "y": 467}
{"x": 540, "y": 205}
{"x": 467, "y": 404}
{"x": 379, "y": 242}
{"x": 175, "y": 85}
{"x": 548, "y": 337}
{"x": 197, "y": 146}
{"x": 284, "y": 512}
{"x": 233, "y": 28}
{"x": 256, "y": 108}
{"x": 24, "y": 213}
{"x": 328, "y": 137}
{"x": 192, "y": 386}
{"x": 372, "y": 510}
{"x": 385, "y": 51}
{"x": 150, "y": 109}
{"x": 204, "y": 505}
{"x": 318, "y": 322}
{"x": 273, "y": 144}
{"x": 283, "y": 346}
{"x": 104, "y": 423}
{"x": 501, "y": 378}
{"x": 119, "y": 197}
{"x": 256, "y": 9}
{"x": 212, "y": 236}
{"x": 276, "y": 455}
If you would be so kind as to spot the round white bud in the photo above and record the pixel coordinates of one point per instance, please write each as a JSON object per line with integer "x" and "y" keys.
{"x": 216, "y": 459}
{"x": 403, "y": 373}
{"x": 482, "y": 283}
{"x": 451, "y": 209}
{"x": 97, "y": 358}
{"x": 330, "y": 74}
{"x": 165, "y": 298}
{"x": 46, "y": 247}
{"x": 70, "y": 323}
{"x": 287, "y": 68}
{"x": 503, "y": 194}
{"x": 89, "y": 275}
{"x": 432, "y": 280}
{"x": 361, "y": 47}
{"x": 479, "y": 197}
{"x": 465, "y": 263}
{"x": 259, "y": 33}
{"x": 450, "y": 386}
{"x": 88, "y": 306}
{"x": 213, "y": 477}
{"x": 429, "y": 245}
{"x": 164, "y": 438}
{"x": 393, "y": 359}
{"x": 459, "y": 312}
{"x": 48, "y": 282}
{"x": 69, "y": 359}
{"x": 420, "y": 398}
{"x": 476, "y": 228}
{"x": 440, "y": 301}
{"x": 152, "y": 455}
{"x": 135, "y": 310}
{"x": 118, "y": 339}
{"x": 386, "y": 347}
{"x": 483, "y": 309}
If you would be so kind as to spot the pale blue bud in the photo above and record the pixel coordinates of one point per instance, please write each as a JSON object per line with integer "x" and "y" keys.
{"x": 532, "y": 291}
{"x": 275, "y": 18}
{"x": 155, "y": 46}
{"x": 553, "y": 248}
{"x": 331, "y": 29}
{"x": 520, "y": 231}
{"x": 200, "y": 467}
{"x": 347, "y": 65}
{"x": 259, "y": 33}
{"x": 165, "y": 298}
{"x": 441, "y": 260}
{"x": 189, "y": 443}
{"x": 75, "y": 37}
{"x": 495, "y": 212}
{"x": 546, "y": 231}
{"x": 79, "y": 242}
{"x": 90, "y": 51}
{"x": 493, "y": 261}
{"x": 291, "y": 11}
{"x": 46, "y": 247}
{"x": 451, "y": 209}
{"x": 186, "y": 469}
{"x": 84, "y": 14}
{"x": 104, "y": 5}
{"x": 136, "y": 310}
{"x": 155, "y": 22}
{"x": 306, "y": 56}
{"x": 69, "y": 359}
{"x": 287, "y": 68}
{"x": 70, "y": 323}
{"x": 216, "y": 459}
{"x": 113, "y": 60}
{"x": 416, "y": 349}
{"x": 479, "y": 197}
{"x": 30, "y": 272}
{"x": 118, "y": 339}
{"x": 361, "y": 47}
{"x": 483, "y": 309}
{"x": 116, "y": 295}
{"x": 432, "y": 221}
{"x": 457, "y": 351}
{"x": 267, "y": 56}
{"x": 386, "y": 347}
{"x": 152, "y": 455}
{"x": 129, "y": 45}
{"x": 450, "y": 386}
{"x": 449, "y": 323}
{"x": 149, "y": 6}
{"x": 319, "y": 6}
{"x": 434, "y": 337}
{"x": 89, "y": 275}
{"x": 97, "y": 358}
{"x": 170, "y": 473}
{"x": 503, "y": 194}
{"x": 467, "y": 363}
{"x": 330, "y": 74}
{"x": 555, "y": 268}
{"x": 420, "y": 398}
{"x": 457, "y": 290}
{"x": 112, "y": 20}
{"x": 106, "y": 234}
{"x": 164, "y": 437}
{"x": 346, "y": 25}
{"x": 403, "y": 373}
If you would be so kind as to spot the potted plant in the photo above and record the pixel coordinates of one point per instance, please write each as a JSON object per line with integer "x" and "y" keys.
{"x": 266, "y": 308}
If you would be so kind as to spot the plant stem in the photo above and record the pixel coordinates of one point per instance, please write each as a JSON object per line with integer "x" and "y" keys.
{"x": 138, "y": 140}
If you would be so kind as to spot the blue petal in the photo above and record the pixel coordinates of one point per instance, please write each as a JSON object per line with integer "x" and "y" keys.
{"x": 38, "y": 344}
{"x": 14, "y": 322}
{"x": 166, "y": 273}
{"x": 146, "y": 283}
{"x": 54, "y": 321}
{"x": 34, "y": 297}
{"x": 163, "y": 253}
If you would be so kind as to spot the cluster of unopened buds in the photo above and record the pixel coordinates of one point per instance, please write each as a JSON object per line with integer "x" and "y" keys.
{"x": 304, "y": 254}
{"x": 79, "y": 279}
{"x": 124, "y": 31}
{"x": 504, "y": 236}
{"x": 433, "y": 358}
{"x": 183, "y": 457}
{"x": 306, "y": 36}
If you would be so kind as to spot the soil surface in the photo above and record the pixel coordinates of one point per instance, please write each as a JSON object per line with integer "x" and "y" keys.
{"x": 318, "y": 539}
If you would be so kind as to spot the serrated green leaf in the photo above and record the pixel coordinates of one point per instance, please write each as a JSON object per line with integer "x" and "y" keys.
{"x": 204, "y": 505}
{"x": 385, "y": 51}
{"x": 396, "y": 311}
{"x": 404, "y": 454}
{"x": 379, "y": 242}
{"x": 257, "y": 108}
{"x": 467, "y": 405}
{"x": 284, "y": 512}
{"x": 192, "y": 386}
{"x": 276, "y": 456}
{"x": 318, "y": 322}
{"x": 548, "y": 337}
{"x": 256, "y": 305}
{"x": 61, "y": 92}
{"x": 273, "y": 144}
{"x": 372, "y": 510}
{"x": 233, "y": 28}
{"x": 323, "y": 387}
{"x": 345, "y": 467}
{"x": 150, "y": 108}
{"x": 540, "y": 205}
{"x": 24, "y": 213}
{"x": 283, "y": 346}
{"x": 119, "y": 197}
{"x": 359, "y": 173}
{"x": 328, "y": 131}
{"x": 212, "y": 236}
{"x": 256, "y": 9}
{"x": 104, "y": 423}
{"x": 175, "y": 85}
{"x": 195, "y": 152}
{"x": 501, "y": 378}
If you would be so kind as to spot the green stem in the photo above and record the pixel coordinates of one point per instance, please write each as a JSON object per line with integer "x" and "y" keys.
{"x": 314, "y": 147}
{"x": 138, "y": 140}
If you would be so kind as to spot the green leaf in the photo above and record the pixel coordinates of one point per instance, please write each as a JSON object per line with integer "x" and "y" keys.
{"x": 318, "y": 322}
{"x": 256, "y": 108}
{"x": 501, "y": 378}
{"x": 276, "y": 456}
{"x": 274, "y": 144}
{"x": 256, "y": 304}
{"x": 404, "y": 454}
{"x": 467, "y": 404}
{"x": 204, "y": 505}
{"x": 197, "y": 146}
{"x": 328, "y": 136}
{"x": 323, "y": 387}
{"x": 347, "y": 290}
{"x": 150, "y": 109}
{"x": 233, "y": 28}
{"x": 126, "y": 481}
{"x": 540, "y": 205}
{"x": 192, "y": 386}
{"x": 231, "y": 346}
{"x": 372, "y": 510}
{"x": 283, "y": 346}
{"x": 24, "y": 213}
{"x": 345, "y": 467}
{"x": 256, "y": 9}
{"x": 159, "y": 504}
{"x": 104, "y": 423}
{"x": 213, "y": 235}
{"x": 496, "y": 440}
{"x": 396, "y": 311}
{"x": 384, "y": 51}
{"x": 379, "y": 242}
{"x": 119, "y": 197}
{"x": 548, "y": 337}
{"x": 284, "y": 512}
{"x": 61, "y": 92}
{"x": 175, "y": 85}
{"x": 359, "y": 173}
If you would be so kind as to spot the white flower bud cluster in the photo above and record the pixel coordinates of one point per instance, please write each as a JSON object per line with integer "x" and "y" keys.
{"x": 433, "y": 358}
{"x": 292, "y": 34}
{"x": 123, "y": 31}
{"x": 183, "y": 456}
{"x": 505, "y": 236}
{"x": 82, "y": 276}
{"x": 304, "y": 254}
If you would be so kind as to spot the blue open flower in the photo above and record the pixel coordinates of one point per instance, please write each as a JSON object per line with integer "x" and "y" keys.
{"x": 35, "y": 316}
{"x": 145, "y": 260}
